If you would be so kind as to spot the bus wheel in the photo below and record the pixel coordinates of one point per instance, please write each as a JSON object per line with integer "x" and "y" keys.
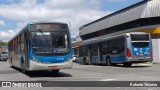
{"x": 108, "y": 61}
{"x": 55, "y": 71}
{"x": 24, "y": 71}
{"x": 75, "y": 61}
{"x": 127, "y": 64}
{"x": 85, "y": 61}
{"x": 114, "y": 64}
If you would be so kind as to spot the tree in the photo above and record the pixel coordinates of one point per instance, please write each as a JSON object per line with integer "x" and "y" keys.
{"x": 3, "y": 44}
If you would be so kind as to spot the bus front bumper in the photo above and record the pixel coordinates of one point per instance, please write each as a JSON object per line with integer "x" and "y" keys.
{"x": 54, "y": 66}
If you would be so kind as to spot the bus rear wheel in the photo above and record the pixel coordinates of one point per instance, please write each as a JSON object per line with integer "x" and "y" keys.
{"x": 24, "y": 71}
{"x": 127, "y": 64}
{"x": 108, "y": 61}
{"x": 85, "y": 61}
{"x": 55, "y": 71}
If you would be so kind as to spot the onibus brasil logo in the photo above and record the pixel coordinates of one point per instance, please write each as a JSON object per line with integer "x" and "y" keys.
{"x": 21, "y": 84}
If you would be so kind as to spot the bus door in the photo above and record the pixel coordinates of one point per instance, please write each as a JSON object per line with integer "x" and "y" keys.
{"x": 95, "y": 54}
{"x": 90, "y": 54}
{"x": 26, "y": 50}
{"x": 115, "y": 55}
{"x": 121, "y": 49}
{"x": 118, "y": 48}
{"x": 100, "y": 53}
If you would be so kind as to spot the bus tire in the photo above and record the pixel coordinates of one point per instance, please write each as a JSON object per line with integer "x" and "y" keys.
{"x": 114, "y": 64}
{"x": 127, "y": 64}
{"x": 75, "y": 61}
{"x": 85, "y": 61}
{"x": 55, "y": 71}
{"x": 90, "y": 62}
{"x": 108, "y": 61}
{"x": 24, "y": 71}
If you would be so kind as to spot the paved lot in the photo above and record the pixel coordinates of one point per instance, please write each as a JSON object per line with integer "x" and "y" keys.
{"x": 79, "y": 72}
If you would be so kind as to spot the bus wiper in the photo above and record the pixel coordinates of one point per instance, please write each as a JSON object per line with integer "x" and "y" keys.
{"x": 40, "y": 30}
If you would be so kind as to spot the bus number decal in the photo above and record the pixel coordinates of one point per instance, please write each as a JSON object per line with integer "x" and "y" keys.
{"x": 60, "y": 58}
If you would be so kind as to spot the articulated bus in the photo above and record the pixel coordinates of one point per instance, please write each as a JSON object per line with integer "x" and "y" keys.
{"x": 123, "y": 49}
{"x": 41, "y": 46}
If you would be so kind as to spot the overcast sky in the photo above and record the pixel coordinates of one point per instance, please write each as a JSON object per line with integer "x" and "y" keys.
{"x": 15, "y": 14}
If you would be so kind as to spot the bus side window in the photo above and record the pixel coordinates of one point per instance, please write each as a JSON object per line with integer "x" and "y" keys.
{"x": 80, "y": 50}
{"x": 22, "y": 43}
{"x": 121, "y": 45}
{"x": 106, "y": 47}
{"x": 84, "y": 51}
{"x": 19, "y": 44}
{"x": 114, "y": 46}
{"x": 95, "y": 50}
{"x": 11, "y": 46}
{"x": 16, "y": 46}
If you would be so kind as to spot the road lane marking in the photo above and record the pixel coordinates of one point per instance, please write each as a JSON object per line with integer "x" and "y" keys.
{"x": 110, "y": 79}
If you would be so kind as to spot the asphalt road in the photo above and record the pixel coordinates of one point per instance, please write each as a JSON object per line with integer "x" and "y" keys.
{"x": 80, "y": 72}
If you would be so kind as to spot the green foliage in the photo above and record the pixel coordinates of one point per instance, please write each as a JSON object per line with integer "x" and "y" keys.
{"x": 3, "y": 44}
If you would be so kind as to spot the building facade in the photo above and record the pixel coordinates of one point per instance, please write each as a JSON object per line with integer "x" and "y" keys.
{"x": 141, "y": 17}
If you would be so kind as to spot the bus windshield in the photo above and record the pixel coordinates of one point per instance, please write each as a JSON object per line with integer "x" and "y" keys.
{"x": 50, "y": 43}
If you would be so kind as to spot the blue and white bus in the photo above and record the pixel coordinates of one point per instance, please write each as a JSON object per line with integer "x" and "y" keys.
{"x": 41, "y": 46}
{"x": 123, "y": 49}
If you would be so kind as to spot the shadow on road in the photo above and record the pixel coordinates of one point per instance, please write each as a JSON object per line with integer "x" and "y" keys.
{"x": 133, "y": 66}
{"x": 35, "y": 74}
{"x": 121, "y": 65}
{"x": 3, "y": 60}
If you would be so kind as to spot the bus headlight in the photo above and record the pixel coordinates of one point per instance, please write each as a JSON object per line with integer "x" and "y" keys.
{"x": 35, "y": 59}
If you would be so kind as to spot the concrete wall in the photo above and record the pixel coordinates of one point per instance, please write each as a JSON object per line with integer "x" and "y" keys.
{"x": 156, "y": 50}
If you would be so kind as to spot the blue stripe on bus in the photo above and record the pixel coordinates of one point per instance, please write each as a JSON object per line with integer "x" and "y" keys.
{"x": 114, "y": 59}
{"x": 94, "y": 59}
{"x": 117, "y": 59}
{"x": 104, "y": 59}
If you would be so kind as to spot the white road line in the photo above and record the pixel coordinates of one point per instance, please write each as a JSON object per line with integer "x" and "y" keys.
{"x": 110, "y": 79}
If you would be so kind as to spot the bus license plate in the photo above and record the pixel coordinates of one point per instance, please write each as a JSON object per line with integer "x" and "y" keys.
{"x": 52, "y": 67}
